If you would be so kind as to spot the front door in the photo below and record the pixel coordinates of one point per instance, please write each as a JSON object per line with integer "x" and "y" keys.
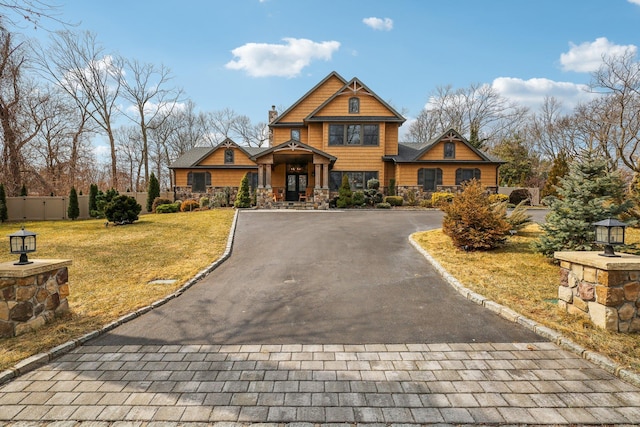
{"x": 296, "y": 185}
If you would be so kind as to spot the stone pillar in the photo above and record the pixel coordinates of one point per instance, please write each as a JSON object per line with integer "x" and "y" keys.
{"x": 318, "y": 174}
{"x": 31, "y": 295}
{"x": 604, "y": 289}
{"x": 260, "y": 175}
{"x": 268, "y": 184}
{"x": 325, "y": 176}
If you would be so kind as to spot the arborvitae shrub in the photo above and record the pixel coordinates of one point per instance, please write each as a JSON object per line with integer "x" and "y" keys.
{"x": 73, "y": 210}
{"x": 392, "y": 187}
{"x": 412, "y": 198}
{"x": 344, "y": 194}
{"x": 243, "y": 199}
{"x": 122, "y": 209}
{"x": 23, "y": 191}
{"x": 189, "y": 205}
{"x": 153, "y": 191}
{"x": 3, "y": 204}
{"x": 93, "y": 193}
{"x": 471, "y": 222}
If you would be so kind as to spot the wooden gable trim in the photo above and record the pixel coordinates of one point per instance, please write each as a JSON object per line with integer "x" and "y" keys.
{"x": 453, "y": 135}
{"x": 306, "y": 95}
{"x": 293, "y": 145}
{"x": 353, "y": 88}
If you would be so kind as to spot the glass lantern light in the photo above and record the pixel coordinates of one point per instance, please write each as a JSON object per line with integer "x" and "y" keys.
{"x": 22, "y": 242}
{"x": 609, "y": 232}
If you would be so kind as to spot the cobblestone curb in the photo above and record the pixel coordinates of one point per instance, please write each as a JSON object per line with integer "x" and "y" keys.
{"x": 547, "y": 333}
{"x": 40, "y": 359}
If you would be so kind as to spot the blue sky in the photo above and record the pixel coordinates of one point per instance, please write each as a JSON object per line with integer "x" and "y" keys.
{"x": 250, "y": 54}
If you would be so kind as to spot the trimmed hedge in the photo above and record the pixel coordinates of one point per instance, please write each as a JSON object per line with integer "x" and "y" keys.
{"x": 394, "y": 200}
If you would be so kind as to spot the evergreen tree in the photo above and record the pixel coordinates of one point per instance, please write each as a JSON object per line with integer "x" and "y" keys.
{"x": 93, "y": 194}
{"x": 73, "y": 211}
{"x": 122, "y": 209}
{"x": 243, "y": 199}
{"x": 3, "y": 204}
{"x": 23, "y": 191}
{"x": 344, "y": 193}
{"x": 153, "y": 191}
{"x": 558, "y": 170}
{"x": 589, "y": 193}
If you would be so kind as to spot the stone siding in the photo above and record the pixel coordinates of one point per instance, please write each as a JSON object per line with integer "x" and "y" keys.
{"x": 610, "y": 298}
{"x": 27, "y": 303}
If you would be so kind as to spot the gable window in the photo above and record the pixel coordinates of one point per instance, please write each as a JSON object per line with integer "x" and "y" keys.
{"x": 199, "y": 181}
{"x": 449, "y": 150}
{"x": 228, "y": 156}
{"x": 354, "y": 105}
{"x": 465, "y": 175}
{"x": 357, "y": 180}
{"x": 354, "y": 134}
{"x": 295, "y": 134}
{"x": 429, "y": 178}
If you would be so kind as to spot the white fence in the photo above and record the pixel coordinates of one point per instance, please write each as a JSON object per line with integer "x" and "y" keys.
{"x": 37, "y": 208}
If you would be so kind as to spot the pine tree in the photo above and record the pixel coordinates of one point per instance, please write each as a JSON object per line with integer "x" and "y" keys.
{"x": 153, "y": 191}
{"x": 243, "y": 199}
{"x": 73, "y": 211}
{"x": 3, "y": 204}
{"x": 558, "y": 170}
{"x": 589, "y": 193}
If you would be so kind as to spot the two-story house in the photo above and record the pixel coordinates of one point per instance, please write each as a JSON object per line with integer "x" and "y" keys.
{"x": 338, "y": 128}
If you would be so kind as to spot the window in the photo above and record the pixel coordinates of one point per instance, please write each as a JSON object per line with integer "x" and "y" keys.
{"x": 199, "y": 181}
{"x": 354, "y": 105}
{"x": 357, "y": 180}
{"x": 354, "y": 134}
{"x": 295, "y": 134}
{"x": 449, "y": 150}
{"x": 253, "y": 180}
{"x": 228, "y": 156}
{"x": 429, "y": 178}
{"x": 464, "y": 175}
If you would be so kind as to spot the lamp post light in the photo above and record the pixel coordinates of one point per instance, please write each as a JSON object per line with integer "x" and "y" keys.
{"x": 609, "y": 232}
{"x": 22, "y": 242}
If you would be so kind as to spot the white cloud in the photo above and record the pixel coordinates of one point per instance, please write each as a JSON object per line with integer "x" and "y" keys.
{"x": 282, "y": 60}
{"x": 151, "y": 108}
{"x": 380, "y": 24}
{"x": 587, "y": 57}
{"x": 635, "y": 2}
{"x": 531, "y": 93}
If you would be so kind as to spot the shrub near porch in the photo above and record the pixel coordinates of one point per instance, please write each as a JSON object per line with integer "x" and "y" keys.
{"x": 112, "y": 268}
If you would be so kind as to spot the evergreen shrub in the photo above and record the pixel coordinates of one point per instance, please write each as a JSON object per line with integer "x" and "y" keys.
{"x": 440, "y": 197}
{"x": 167, "y": 208}
{"x": 122, "y": 209}
{"x": 73, "y": 210}
{"x": 243, "y": 199}
{"x": 394, "y": 200}
{"x": 160, "y": 201}
{"x": 471, "y": 222}
{"x": 153, "y": 191}
{"x": 189, "y": 205}
{"x": 498, "y": 198}
{"x": 383, "y": 205}
{"x": 520, "y": 195}
{"x": 358, "y": 198}
{"x": 344, "y": 194}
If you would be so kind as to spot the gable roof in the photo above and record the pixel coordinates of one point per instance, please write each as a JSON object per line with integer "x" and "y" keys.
{"x": 277, "y": 120}
{"x": 353, "y": 87}
{"x": 194, "y": 156}
{"x": 412, "y": 152}
{"x": 292, "y": 144}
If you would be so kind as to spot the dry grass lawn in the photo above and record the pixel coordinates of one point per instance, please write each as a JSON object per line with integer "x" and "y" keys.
{"x": 527, "y": 282}
{"x": 112, "y": 268}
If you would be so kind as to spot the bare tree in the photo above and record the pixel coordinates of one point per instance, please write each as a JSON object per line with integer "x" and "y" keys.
{"x": 80, "y": 66}
{"x": 145, "y": 86}
{"x": 31, "y": 11}
{"x": 618, "y": 80}
{"x": 479, "y": 112}
{"x": 19, "y": 119}
{"x": 130, "y": 155}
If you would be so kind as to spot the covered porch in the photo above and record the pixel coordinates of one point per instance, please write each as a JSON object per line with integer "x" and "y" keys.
{"x": 293, "y": 172}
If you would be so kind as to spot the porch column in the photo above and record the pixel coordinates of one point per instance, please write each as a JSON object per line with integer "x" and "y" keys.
{"x": 318, "y": 174}
{"x": 325, "y": 176}
{"x": 260, "y": 175}
{"x": 268, "y": 184}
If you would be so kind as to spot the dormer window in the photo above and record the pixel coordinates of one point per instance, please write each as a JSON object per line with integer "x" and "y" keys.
{"x": 354, "y": 105}
{"x": 449, "y": 150}
{"x": 228, "y": 156}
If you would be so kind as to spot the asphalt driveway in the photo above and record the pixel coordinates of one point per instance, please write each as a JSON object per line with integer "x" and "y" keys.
{"x": 339, "y": 277}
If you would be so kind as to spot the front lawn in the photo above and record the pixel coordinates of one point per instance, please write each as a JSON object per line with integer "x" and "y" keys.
{"x": 112, "y": 268}
{"x": 527, "y": 282}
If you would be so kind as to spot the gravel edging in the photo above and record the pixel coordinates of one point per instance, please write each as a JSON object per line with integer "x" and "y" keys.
{"x": 40, "y": 359}
{"x": 545, "y": 332}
